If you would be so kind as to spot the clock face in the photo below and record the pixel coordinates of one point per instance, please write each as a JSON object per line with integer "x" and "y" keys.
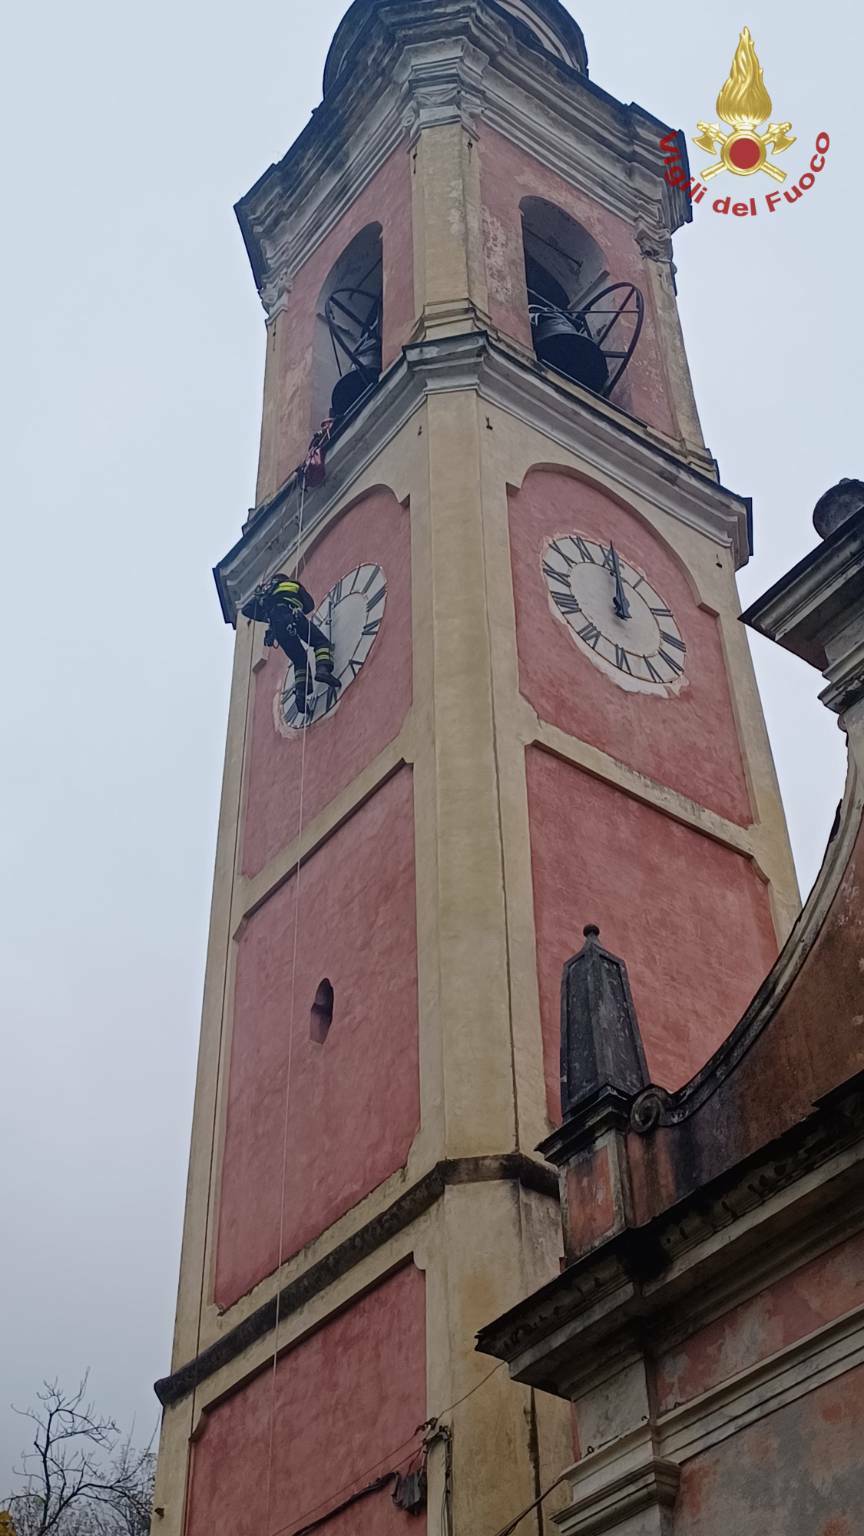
{"x": 614, "y": 615}
{"x": 350, "y": 616}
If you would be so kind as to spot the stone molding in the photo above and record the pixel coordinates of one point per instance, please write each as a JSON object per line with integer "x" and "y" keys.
{"x": 475, "y": 71}
{"x": 550, "y": 25}
{"x": 817, "y": 613}
{"x": 607, "y": 1110}
{"x": 606, "y": 438}
{"x": 696, "y": 1261}
{"x": 763, "y": 1388}
{"x": 402, "y": 1211}
{"x": 845, "y": 678}
{"x": 641, "y": 1470}
{"x": 275, "y": 295}
{"x": 436, "y": 89}
{"x": 613, "y": 1486}
{"x": 252, "y": 891}
{"x": 638, "y": 786}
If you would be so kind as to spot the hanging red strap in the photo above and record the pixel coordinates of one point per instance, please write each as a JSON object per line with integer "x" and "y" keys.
{"x": 314, "y": 465}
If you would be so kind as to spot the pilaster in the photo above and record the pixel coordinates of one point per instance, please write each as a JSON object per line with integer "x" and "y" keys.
{"x": 660, "y": 268}
{"x": 629, "y": 1489}
{"x": 449, "y": 265}
{"x": 472, "y": 935}
{"x": 491, "y": 1239}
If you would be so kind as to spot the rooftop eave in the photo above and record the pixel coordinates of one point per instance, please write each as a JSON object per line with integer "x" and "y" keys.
{"x": 808, "y": 611}
{"x": 808, "y": 1180}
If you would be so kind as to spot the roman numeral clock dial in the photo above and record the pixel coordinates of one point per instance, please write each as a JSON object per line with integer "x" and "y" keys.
{"x": 614, "y": 615}
{"x": 350, "y": 616}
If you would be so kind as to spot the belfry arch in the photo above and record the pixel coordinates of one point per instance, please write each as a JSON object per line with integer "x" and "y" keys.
{"x": 564, "y": 265}
{"x": 584, "y": 323}
{"x": 346, "y": 353}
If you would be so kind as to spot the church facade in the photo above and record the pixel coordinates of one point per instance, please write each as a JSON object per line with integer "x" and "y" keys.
{"x": 482, "y": 460}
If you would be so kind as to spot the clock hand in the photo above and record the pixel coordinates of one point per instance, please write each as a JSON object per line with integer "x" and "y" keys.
{"x": 620, "y": 603}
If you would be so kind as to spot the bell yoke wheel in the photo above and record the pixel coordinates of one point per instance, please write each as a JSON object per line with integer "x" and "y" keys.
{"x": 581, "y": 344}
{"x": 353, "y": 317}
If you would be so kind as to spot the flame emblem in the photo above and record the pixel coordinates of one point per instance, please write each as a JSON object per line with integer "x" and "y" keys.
{"x": 743, "y": 104}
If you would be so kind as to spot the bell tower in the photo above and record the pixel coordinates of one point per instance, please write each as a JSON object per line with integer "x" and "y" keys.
{"x": 481, "y": 454}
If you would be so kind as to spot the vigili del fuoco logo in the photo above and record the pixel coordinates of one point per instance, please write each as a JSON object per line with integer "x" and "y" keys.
{"x": 744, "y": 104}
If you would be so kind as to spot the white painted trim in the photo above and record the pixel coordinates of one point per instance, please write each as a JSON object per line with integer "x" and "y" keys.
{"x": 642, "y": 1484}
{"x": 689, "y": 813}
{"x": 845, "y": 678}
{"x": 641, "y": 1468}
{"x": 607, "y": 150}
{"x": 763, "y": 1388}
{"x": 622, "y": 452}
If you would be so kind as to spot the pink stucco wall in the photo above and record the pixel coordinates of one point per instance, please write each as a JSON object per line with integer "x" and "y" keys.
{"x": 798, "y": 1472}
{"x": 509, "y": 174}
{"x": 353, "y": 1101}
{"x": 796, "y": 1306}
{"x": 690, "y": 918}
{"x": 589, "y": 1206}
{"x": 287, "y": 422}
{"x": 689, "y": 742}
{"x": 375, "y": 530}
{"x": 793, "y": 1062}
{"x": 341, "y": 1407}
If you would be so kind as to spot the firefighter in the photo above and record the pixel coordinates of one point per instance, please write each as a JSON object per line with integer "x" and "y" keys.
{"x": 285, "y": 605}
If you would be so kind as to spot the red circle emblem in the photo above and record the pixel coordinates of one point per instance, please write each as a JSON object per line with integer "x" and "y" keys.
{"x": 745, "y": 153}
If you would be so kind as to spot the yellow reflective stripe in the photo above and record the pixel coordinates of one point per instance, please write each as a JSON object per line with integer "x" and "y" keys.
{"x": 289, "y": 590}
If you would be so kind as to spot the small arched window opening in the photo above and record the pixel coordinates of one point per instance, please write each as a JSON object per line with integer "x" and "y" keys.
{"x": 348, "y": 329}
{"x": 322, "y": 1013}
{"x": 583, "y": 324}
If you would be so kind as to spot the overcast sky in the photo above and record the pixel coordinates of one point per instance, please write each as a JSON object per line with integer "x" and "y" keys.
{"x": 132, "y": 348}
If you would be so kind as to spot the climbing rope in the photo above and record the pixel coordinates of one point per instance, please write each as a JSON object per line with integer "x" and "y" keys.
{"x": 312, "y": 464}
{"x": 220, "y": 1068}
{"x": 297, "y": 879}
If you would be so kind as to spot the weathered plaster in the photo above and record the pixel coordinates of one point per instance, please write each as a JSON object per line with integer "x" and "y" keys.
{"x": 313, "y": 1127}
{"x": 375, "y": 530}
{"x": 456, "y": 422}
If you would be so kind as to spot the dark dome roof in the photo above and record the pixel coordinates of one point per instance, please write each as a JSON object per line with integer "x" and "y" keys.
{"x": 552, "y": 26}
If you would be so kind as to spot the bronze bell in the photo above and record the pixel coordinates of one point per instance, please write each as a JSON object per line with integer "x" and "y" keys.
{"x": 354, "y": 384}
{"x": 561, "y": 344}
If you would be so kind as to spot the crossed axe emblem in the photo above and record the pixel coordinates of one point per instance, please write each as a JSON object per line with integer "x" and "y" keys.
{"x": 745, "y": 150}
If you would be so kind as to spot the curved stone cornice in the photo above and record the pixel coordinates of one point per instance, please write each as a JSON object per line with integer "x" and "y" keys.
{"x": 543, "y": 23}
{"x": 456, "y": 60}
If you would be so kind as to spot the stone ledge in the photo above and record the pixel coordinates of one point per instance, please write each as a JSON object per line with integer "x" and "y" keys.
{"x": 559, "y": 1337}
{"x": 608, "y": 441}
{"x": 640, "y": 1471}
{"x": 625, "y": 1479}
{"x": 764, "y": 1387}
{"x": 513, "y": 1166}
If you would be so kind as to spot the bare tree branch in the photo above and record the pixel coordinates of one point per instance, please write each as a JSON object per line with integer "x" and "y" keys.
{"x": 80, "y": 1478}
